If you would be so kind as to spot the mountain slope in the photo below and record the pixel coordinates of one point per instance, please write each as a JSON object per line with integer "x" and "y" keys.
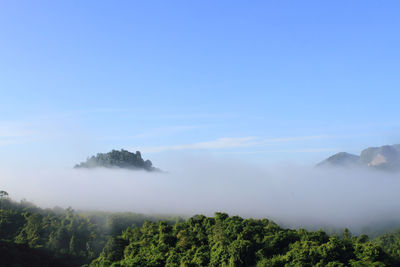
{"x": 118, "y": 159}
{"x": 341, "y": 159}
{"x": 384, "y": 158}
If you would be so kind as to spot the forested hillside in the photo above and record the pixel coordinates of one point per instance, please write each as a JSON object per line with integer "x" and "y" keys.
{"x": 118, "y": 159}
{"x": 234, "y": 241}
{"x": 31, "y": 236}
{"x": 40, "y": 237}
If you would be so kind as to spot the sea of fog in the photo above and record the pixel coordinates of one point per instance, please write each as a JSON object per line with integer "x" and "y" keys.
{"x": 290, "y": 194}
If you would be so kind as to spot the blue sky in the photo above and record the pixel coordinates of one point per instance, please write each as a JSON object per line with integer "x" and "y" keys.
{"x": 267, "y": 81}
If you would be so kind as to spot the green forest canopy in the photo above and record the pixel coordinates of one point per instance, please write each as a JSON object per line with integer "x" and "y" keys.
{"x": 31, "y": 236}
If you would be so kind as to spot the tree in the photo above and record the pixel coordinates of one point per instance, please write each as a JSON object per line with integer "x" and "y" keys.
{"x": 3, "y": 195}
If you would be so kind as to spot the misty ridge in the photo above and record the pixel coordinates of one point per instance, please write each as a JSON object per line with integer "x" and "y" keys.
{"x": 386, "y": 158}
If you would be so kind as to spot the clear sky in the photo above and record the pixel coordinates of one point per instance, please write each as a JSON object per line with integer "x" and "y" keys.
{"x": 267, "y": 81}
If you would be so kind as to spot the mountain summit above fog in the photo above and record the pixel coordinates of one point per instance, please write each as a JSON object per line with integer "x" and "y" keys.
{"x": 384, "y": 158}
{"x": 118, "y": 159}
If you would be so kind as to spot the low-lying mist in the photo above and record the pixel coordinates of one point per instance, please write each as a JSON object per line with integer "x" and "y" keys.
{"x": 289, "y": 194}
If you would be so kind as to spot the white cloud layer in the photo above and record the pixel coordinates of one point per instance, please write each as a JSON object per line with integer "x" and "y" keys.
{"x": 287, "y": 193}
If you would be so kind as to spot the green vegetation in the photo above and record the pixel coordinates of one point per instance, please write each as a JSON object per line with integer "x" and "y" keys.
{"x": 118, "y": 159}
{"x": 234, "y": 241}
{"x": 44, "y": 237}
{"x": 390, "y": 242}
{"x": 31, "y": 236}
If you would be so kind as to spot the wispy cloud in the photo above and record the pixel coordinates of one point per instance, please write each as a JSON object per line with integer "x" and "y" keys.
{"x": 233, "y": 142}
{"x": 221, "y": 143}
{"x": 8, "y": 142}
{"x": 151, "y": 113}
{"x": 294, "y": 138}
{"x": 13, "y": 130}
{"x": 16, "y": 132}
{"x": 162, "y": 131}
{"x": 304, "y": 150}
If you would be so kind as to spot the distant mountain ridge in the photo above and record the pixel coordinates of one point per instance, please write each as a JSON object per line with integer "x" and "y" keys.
{"x": 384, "y": 157}
{"x": 341, "y": 159}
{"x": 118, "y": 159}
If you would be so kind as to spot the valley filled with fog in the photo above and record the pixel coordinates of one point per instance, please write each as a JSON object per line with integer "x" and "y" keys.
{"x": 293, "y": 195}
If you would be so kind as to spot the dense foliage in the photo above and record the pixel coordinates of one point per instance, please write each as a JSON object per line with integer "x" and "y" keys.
{"x": 234, "y": 241}
{"x": 118, "y": 159}
{"x": 390, "y": 242}
{"x": 57, "y": 235}
{"x": 30, "y": 236}
{"x": 13, "y": 254}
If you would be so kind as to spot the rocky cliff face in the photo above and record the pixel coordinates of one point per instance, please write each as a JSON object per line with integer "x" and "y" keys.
{"x": 384, "y": 157}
